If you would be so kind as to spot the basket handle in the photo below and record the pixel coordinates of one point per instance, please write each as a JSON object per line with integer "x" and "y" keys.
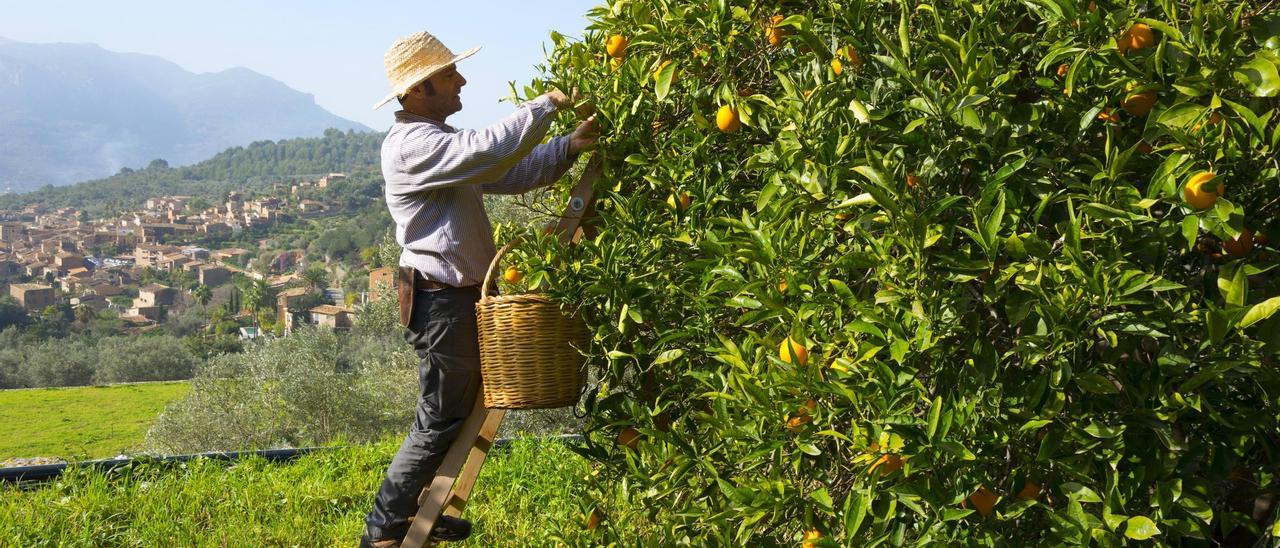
{"x": 493, "y": 265}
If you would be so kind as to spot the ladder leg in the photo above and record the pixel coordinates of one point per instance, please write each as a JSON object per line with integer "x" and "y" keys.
{"x": 475, "y": 459}
{"x": 433, "y": 498}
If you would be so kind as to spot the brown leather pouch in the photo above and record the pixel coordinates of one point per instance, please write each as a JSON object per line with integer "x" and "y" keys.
{"x": 404, "y": 288}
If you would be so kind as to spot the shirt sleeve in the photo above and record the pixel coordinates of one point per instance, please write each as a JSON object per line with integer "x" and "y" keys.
{"x": 431, "y": 159}
{"x": 542, "y": 167}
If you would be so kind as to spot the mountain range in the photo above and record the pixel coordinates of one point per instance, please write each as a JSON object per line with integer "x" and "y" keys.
{"x": 71, "y": 112}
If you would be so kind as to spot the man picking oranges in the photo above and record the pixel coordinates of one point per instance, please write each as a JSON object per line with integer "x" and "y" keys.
{"x": 436, "y": 177}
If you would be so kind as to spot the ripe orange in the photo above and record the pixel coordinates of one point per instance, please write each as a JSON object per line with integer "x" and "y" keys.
{"x": 1030, "y": 490}
{"x": 512, "y": 275}
{"x": 1107, "y": 116}
{"x": 1093, "y": 7}
{"x": 1241, "y": 245}
{"x": 782, "y": 286}
{"x": 983, "y": 500}
{"x": 796, "y": 422}
{"x": 629, "y": 437}
{"x": 774, "y": 34}
{"x": 1196, "y": 193}
{"x": 682, "y": 203}
{"x": 851, "y": 54}
{"x": 727, "y": 119}
{"x": 913, "y": 180}
{"x": 1139, "y": 104}
{"x": 1138, "y": 37}
{"x": 593, "y": 520}
{"x": 616, "y": 46}
{"x": 836, "y": 67}
{"x": 1063, "y": 69}
{"x": 810, "y": 538}
{"x": 789, "y": 347}
{"x": 887, "y": 464}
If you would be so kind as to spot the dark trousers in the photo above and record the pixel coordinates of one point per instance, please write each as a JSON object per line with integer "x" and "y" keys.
{"x": 443, "y": 333}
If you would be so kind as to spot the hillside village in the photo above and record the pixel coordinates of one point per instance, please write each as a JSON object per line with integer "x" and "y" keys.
{"x": 52, "y": 257}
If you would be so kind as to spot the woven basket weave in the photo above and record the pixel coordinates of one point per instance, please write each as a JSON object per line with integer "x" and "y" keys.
{"x": 529, "y": 355}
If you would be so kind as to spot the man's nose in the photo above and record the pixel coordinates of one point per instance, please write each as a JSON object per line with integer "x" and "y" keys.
{"x": 462, "y": 81}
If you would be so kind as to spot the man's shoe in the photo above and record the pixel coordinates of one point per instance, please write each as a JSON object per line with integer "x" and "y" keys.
{"x": 452, "y": 529}
{"x": 366, "y": 542}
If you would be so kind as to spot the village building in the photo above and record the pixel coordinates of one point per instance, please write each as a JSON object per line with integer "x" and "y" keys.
{"x": 155, "y": 295}
{"x": 333, "y": 317}
{"x": 32, "y": 297}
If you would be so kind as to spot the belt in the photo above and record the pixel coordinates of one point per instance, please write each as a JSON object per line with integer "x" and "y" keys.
{"x": 423, "y": 284}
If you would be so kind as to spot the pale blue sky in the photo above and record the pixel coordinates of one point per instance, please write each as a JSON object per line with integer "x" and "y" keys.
{"x": 327, "y": 48}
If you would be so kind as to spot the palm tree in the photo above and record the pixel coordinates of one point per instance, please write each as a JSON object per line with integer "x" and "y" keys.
{"x": 316, "y": 278}
{"x": 202, "y": 294}
{"x": 257, "y": 295}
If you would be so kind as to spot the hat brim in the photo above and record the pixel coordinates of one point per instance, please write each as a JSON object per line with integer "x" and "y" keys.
{"x": 400, "y": 92}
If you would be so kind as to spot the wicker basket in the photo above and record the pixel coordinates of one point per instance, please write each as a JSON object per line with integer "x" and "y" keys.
{"x": 529, "y": 355}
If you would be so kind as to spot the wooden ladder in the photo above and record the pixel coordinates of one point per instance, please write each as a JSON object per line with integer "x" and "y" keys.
{"x": 451, "y": 488}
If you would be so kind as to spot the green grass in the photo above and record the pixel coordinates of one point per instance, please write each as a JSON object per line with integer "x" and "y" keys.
{"x": 524, "y": 497}
{"x": 81, "y": 422}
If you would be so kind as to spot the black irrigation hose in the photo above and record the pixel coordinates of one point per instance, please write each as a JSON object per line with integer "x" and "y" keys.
{"x": 45, "y": 472}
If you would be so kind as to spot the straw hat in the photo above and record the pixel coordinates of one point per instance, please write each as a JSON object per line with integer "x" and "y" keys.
{"x": 415, "y": 58}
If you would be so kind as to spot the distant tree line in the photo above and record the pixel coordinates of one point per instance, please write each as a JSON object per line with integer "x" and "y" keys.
{"x": 255, "y": 166}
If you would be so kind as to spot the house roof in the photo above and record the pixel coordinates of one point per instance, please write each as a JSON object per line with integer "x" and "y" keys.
{"x": 330, "y": 310}
{"x": 292, "y": 292}
{"x": 152, "y": 288}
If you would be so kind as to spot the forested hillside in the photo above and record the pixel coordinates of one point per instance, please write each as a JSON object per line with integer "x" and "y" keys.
{"x": 239, "y": 168}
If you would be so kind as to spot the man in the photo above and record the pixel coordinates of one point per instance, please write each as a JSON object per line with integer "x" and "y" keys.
{"x": 435, "y": 180}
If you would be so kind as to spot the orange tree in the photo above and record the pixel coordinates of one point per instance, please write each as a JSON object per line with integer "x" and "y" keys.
{"x": 901, "y": 272}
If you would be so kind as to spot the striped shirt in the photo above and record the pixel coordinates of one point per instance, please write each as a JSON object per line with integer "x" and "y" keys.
{"x": 436, "y": 177}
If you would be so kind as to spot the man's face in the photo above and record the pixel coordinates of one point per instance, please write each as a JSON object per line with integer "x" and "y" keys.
{"x": 448, "y": 86}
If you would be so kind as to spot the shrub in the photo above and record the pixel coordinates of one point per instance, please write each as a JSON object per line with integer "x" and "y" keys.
{"x": 1015, "y": 327}
{"x": 298, "y": 391}
{"x": 139, "y": 359}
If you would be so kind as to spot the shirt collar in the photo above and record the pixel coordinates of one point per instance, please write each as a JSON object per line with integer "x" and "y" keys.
{"x": 406, "y": 117}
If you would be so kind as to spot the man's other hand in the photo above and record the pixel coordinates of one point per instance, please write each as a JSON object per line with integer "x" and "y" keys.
{"x": 562, "y": 101}
{"x": 584, "y": 137}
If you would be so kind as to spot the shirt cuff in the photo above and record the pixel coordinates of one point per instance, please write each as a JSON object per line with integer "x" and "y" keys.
{"x": 562, "y": 150}
{"x": 542, "y": 106}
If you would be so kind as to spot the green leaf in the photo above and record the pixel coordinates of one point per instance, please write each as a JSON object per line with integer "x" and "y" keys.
{"x": 1078, "y": 492}
{"x": 1260, "y": 76}
{"x": 859, "y": 111}
{"x": 1197, "y": 507}
{"x": 666, "y": 75}
{"x": 956, "y": 449}
{"x": 668, "y": 356}
{"x": 823, "y": 498}
{"x": 1140, "y": 528}
{"x": 1095, "y": 383}
{"x": 1233, "y": 284}
{"x": 1259, "y": 312}
{"x": 855, "y": 510}
{"x": 1190, "y": 230}
{"x": 934, "y": 412}
{"x": 1103, "y": 431}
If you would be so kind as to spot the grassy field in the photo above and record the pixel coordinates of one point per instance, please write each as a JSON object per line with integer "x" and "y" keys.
{"x": 81, "y": 422}
{"x": 524, "y": 498}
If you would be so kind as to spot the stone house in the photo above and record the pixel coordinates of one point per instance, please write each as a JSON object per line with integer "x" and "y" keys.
{"x": 32, "y": 297}
{"x": 333, "y": 317}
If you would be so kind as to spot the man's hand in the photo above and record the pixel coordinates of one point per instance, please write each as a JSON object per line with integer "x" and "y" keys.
{"x": 562, "y": 101}
{"x": 584, "y": 137}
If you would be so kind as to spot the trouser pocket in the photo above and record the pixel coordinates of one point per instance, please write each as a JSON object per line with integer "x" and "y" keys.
{"x": 449, "y": 354}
